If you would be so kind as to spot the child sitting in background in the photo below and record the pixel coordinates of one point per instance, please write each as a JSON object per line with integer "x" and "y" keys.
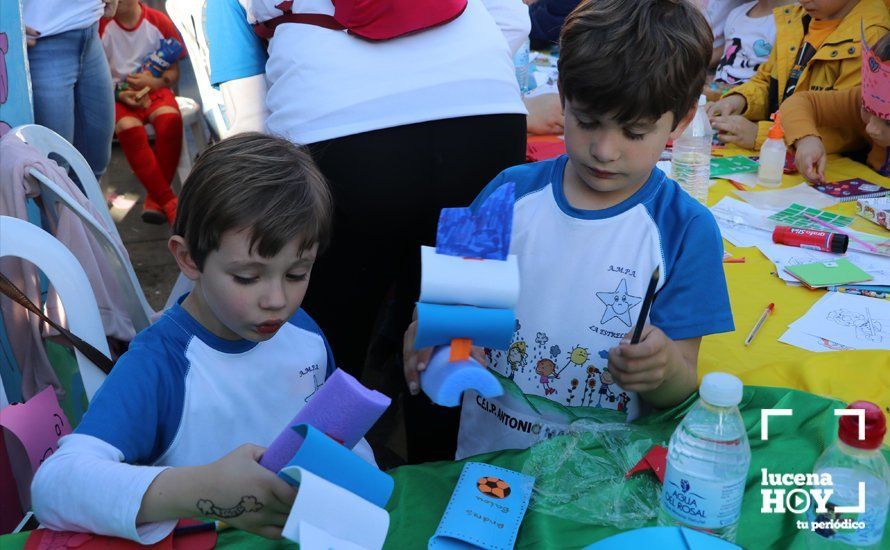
{"x": 816, "y": 48}
{"x": 805, "y": 113}
{"x": 590, "y": 227}
{"x": 178, "y": 421}
{"x": 134, "y": 33}
{"x": 750, "y": 32}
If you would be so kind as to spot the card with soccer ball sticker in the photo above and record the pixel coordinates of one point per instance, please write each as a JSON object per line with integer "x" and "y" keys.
{"x": 485, "y": 510}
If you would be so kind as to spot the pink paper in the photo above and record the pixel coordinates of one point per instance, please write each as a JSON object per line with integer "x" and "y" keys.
{"x": 31, "y": 434}
{"x": 875, "y": 83}
{"x": 38, "y": 424}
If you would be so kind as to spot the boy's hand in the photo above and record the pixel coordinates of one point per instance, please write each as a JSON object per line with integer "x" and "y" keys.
{"x": 733, "y": 104}
{"x": 736, "y": 129}
{"x": 545, "y": 114}
{"x": 145, "y": 78}
{"x": 128, "y": 98}
{"x": 415, "y": 361}
{"x": 810, "y": 158}
{"x": 244, "y": 494}
{"x": 643, "y": 366}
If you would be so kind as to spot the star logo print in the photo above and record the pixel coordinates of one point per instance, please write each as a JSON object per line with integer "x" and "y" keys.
{"x": 618, "y": 304}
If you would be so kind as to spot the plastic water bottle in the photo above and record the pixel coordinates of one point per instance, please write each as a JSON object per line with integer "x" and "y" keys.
{"x": 520, "y": 64}
{"x": 707, "y": 463}
{"x": 691, "y": 155}
{"x": 772, "y": 156}
{"x": 851, "y": 461}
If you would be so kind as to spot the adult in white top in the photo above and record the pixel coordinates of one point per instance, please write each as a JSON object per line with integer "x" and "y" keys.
{"x": 400, "y": 128}
{"x": 70, "y": 80}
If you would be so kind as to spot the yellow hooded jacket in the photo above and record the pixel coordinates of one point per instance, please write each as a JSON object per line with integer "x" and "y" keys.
{"x": 835, "y": 66}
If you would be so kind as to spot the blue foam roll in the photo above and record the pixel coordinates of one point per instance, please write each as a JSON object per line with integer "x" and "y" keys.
{"x": 333, "y": 462}
{"x": 445, "y": 382}
{"x": 438, "y": 324}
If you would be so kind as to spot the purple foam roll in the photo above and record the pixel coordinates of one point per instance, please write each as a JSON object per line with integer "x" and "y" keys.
{"x": 341, "y": 408}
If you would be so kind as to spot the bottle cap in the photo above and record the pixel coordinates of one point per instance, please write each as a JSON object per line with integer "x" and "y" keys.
{"x": 875, "y": 426}
{"x": 721, "y": 389}
{"x": 839, "y": 243}
{"x": 776, "y": 131}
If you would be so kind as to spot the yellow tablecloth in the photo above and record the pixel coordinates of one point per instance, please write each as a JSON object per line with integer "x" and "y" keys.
{"x": 845, "y": 375}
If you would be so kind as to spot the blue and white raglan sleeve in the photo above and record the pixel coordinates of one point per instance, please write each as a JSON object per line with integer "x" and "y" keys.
{"x": 235, "y": 51}
{"x": 96, "y": 480}
{"x": 694, "y": 301}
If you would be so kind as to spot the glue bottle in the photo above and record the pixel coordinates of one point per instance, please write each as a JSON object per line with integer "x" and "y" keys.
{"x": 849, "y": 462}
{"x": 772, "y": 156}
{"x": 707, "y": 462}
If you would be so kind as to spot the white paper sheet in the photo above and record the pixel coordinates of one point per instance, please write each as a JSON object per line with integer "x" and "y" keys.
{"x": 740, "y": 223}
{"x": 313, "y": 538}
{"x": 335, "y": 511}
{"x": 482, "y": 283}
{"x": 855, "y": 321}
{"x": 779, "y": 199}
{"x": 809, "y": 342}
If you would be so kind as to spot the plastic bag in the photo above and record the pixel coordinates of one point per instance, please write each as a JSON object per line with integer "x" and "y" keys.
{"x": 580, "y": 475}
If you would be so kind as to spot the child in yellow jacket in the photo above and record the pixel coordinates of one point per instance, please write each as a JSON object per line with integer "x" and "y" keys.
{"x": 806, "y": 116}
{"x": 817, "y": 48}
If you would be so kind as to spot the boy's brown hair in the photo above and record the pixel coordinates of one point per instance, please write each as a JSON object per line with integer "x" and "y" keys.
{"x": 634, "y": 59}
{"x": 259, "y": 182}
{"x": 882, "y": 48}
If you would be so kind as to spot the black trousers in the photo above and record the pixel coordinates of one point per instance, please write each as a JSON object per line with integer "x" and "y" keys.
{"x": 389, "y": 186}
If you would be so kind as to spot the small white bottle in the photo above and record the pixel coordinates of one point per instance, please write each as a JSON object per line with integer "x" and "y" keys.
{"x": 707, "y": 462}
{"x": 691, "y": 155}
{"x": 772, "y": 156}
{"x": 520, "y": 65}
{"x": 851, "y": 461}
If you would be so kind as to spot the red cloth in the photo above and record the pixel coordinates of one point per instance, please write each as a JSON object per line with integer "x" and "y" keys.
{"x": 159, "y": 98}
{"x": 168, "y": 143}
{"x": 134, "y": 142}
{"x": 543, "y": 150}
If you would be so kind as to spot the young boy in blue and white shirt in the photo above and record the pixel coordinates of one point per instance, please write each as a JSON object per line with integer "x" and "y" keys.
{"x": 178, "y": 427}
{"x": 590, "y": 227}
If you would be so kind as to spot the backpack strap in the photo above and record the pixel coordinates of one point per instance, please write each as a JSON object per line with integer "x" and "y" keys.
{"x": 95, "y": 356}
{"x": 266, "y": 29}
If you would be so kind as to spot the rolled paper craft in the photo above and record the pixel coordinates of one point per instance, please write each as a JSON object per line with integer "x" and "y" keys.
{"x": 444, "y": 382}
{"x": 329, "y": 460}
{"x": 341, "y": 408}
{"x": 438, "y": 324}
{"x": 467, "y": 281}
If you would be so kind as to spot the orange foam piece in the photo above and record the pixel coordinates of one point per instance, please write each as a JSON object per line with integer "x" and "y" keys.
{"x": 460, "y": 349}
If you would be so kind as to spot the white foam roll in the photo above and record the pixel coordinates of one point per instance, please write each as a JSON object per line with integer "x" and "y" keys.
{"x": 481, "y": 283}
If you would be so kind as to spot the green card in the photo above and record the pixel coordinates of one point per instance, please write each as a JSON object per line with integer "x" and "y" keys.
{"x": 828, "y": 273}
{"x": 796, "y": 216}
{"x": 725, "y": 166}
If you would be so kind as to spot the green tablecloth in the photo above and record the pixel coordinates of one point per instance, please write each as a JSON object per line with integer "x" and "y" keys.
{"x": 422, "y": 492}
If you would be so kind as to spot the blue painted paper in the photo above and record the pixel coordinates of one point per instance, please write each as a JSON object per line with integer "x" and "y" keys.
{"x": 444, "y": 382}
{"x": 479, "y": 517}
{"x": 438, "y": 324}
{"x": 333, "y": 462}
{"x": 671, "y": 538}
{"x": 483, "y": 233}
{"x": 15, "y": 80}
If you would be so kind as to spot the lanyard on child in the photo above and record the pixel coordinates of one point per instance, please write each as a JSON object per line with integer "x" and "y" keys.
{"x": 800, "y": 64}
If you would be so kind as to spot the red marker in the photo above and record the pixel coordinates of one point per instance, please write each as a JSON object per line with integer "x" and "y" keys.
{"x": 756, "y": 329}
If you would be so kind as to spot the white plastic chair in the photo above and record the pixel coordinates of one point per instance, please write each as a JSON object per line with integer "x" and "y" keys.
{"x": 27, "y": 241}
{"x": 138, "y": 309}
{"x": 188, "y": 16}
{"x": 46, "y": 141}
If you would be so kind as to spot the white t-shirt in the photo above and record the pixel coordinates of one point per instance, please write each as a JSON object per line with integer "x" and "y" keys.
{"x": 716, "y": 12}
{"x": 325, "y": 84}
{"x": 49, "y": 17}
{"x": 126, "y": 48}
{"x": 749, "y": 41}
